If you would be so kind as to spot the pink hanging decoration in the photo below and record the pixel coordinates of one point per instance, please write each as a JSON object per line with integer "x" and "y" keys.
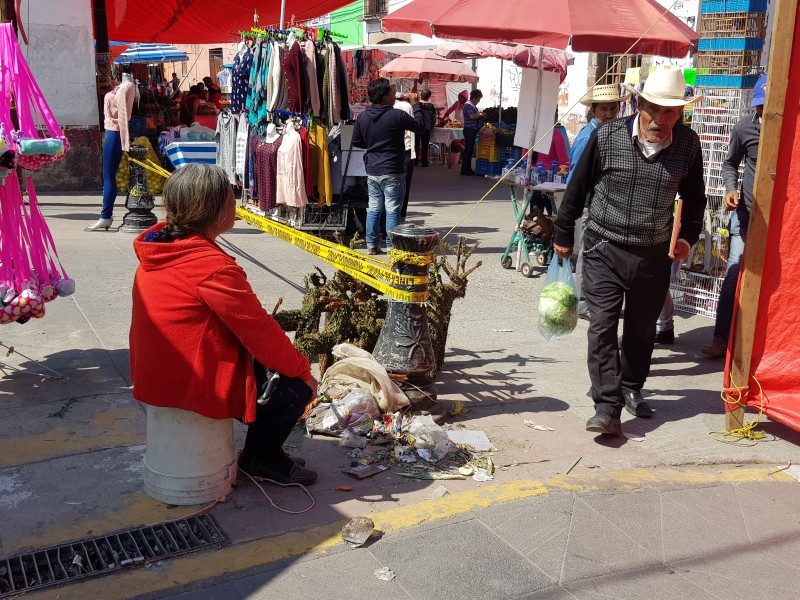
{"x": 30, "y": 272}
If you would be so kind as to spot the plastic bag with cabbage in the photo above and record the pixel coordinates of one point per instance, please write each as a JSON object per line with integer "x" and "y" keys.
{"x": 558, "y": 302}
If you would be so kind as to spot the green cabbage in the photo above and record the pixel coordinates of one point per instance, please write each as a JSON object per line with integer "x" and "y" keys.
{"x": 558, "y": 310}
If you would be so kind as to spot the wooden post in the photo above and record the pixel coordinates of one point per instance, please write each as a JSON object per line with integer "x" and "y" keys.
{"x": 783, "y": 31}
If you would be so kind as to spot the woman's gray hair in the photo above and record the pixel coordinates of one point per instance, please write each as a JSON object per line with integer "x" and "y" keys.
{"x": 194, "y": 198}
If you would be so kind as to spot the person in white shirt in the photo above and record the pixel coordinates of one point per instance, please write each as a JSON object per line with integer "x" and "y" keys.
{"x": 411, "y": 154}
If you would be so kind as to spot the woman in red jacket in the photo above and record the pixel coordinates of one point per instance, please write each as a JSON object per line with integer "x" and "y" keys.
{"x": 200, "y": 339}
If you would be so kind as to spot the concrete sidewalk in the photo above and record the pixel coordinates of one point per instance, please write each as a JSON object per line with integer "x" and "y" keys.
{"x": 71, "y": 449}
{"x": 720, "y": 540}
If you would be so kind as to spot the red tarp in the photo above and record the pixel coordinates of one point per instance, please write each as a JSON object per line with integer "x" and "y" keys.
{"x": 776, "y": 345}
{"x": 203, "y": 21}
{"x": 593, "y": 25}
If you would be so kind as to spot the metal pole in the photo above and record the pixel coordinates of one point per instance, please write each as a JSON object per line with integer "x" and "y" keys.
{"x": 536, "y": 114}
{"x": 283, "y": 12}
{"x": 500, "y": 115}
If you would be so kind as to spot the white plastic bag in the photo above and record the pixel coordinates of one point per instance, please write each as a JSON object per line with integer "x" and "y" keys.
{"x": 558, "y": 301}
{"x": 363, "y": 371}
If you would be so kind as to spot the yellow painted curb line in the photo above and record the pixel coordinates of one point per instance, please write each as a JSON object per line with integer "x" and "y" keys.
{"x": 320, "y": 539}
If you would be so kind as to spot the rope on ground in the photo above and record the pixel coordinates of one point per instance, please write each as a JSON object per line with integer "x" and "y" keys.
{"x": 536, "y": 143}
{"x": 746, "y": 433}
{"x": 275, "y": 506}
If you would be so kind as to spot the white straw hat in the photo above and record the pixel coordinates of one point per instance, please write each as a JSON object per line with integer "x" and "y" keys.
{"x": 603, "y": 93}
{"x": 665, "y": 87}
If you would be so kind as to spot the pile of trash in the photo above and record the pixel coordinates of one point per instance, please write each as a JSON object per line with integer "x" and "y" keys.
{"x": 360, "y": 404}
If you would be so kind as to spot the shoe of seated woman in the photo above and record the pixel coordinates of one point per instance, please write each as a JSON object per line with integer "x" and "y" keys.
{"x": 295, "y": 474}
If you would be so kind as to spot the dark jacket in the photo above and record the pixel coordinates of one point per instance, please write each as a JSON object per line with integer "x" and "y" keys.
{"x": 429, "y": 115}
{"x": 744, "y": 145}
{"x": 381, "y": 130}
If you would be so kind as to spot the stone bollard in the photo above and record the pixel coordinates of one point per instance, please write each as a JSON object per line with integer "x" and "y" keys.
{"x": 404, "y": 346}
{"x": 140, "y": 201}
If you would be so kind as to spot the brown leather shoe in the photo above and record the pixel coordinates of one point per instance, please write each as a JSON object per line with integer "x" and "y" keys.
{"x": 716, "y": 349}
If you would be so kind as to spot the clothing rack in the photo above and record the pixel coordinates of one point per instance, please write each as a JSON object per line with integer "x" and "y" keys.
{"x": 257, "y": 33}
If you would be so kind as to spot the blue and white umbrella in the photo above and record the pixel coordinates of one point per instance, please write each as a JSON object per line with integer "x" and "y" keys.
{"x": 151, "y": 53}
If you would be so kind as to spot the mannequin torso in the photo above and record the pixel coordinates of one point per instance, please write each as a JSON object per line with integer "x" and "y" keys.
{"x": 272, "y": 133}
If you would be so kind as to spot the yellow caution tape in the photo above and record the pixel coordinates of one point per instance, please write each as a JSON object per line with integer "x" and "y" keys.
{"x": 152, "y": 167}
{"x": 358, "y": 266}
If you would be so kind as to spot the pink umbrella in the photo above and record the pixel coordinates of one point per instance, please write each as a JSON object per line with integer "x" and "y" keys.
{"x": 588, "y": 25}
{"x": 520, "y": 54}
{"x": 428, "y": 65}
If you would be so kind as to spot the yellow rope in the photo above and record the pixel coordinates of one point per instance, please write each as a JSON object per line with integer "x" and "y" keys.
{"x": 746, "y": 431}
{"x": 536, "y": 143}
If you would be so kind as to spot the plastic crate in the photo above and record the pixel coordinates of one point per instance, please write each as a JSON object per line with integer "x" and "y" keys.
{"x": 484, "y": 167}
{"x": 727, "y": 81}
{"x": 733, "y": 25}
{"x": 513, "y": 153}
{"x": 485, "y": 152}
{"x": 729, "y": 6}
{"x": 505, "y": 140}
{"x": 731, "y": 44}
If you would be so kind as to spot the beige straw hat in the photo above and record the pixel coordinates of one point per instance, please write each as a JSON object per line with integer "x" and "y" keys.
{"x": 603, "y": 93}
{"x": 665, "y": 87}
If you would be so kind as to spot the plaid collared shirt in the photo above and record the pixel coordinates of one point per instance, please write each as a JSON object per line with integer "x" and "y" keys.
{"x": 469, "y": 110}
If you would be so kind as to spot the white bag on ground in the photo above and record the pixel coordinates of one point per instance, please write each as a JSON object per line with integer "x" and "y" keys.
{"x": 363, "y": 371}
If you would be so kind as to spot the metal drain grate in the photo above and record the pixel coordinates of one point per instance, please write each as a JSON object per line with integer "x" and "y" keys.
{"x": 106, "y": 554}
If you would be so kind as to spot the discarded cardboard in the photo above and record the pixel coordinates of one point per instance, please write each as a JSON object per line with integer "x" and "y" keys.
{"x": 364, "y": 471}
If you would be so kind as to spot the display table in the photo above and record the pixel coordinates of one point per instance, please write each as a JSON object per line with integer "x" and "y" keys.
{"x": 529, "y": 248}
{"x": 444, "y": 136}
{"x": 181, "y": 151}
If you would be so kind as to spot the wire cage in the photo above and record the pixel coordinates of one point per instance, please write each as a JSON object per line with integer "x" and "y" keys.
{"x": 734, "y": 25}
{"x": 724, "y": 62}
{"x": 696, "y": 293}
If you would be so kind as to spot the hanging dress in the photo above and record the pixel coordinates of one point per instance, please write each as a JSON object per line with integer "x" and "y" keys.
{"x": 291, "y": 182}
{"x": 265, "y": 163}
{"x": 240, "y": 79}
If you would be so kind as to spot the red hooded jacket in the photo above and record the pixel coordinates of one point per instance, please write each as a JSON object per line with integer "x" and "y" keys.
{"x": 195, "y": 326}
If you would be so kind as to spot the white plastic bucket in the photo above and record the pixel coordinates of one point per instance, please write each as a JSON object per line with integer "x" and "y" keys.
{"x": 190, "y": 459}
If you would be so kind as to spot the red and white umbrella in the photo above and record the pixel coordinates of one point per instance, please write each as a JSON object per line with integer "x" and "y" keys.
{"x": 428, "y": 65}
{"x": 587, "y": 25}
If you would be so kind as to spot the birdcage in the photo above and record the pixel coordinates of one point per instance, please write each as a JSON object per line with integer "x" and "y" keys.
{"x": 733, "y": 25}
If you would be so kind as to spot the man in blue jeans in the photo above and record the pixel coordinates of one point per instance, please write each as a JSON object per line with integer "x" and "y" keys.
{"x": 744, "y": 144}
{"x": 381, "y": 130}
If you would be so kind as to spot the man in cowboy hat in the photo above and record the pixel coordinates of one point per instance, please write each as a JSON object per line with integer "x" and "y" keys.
{"x": 629, "y": 174}
{"x": 603, "y": 102}
{"x": 745, "y": 136}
